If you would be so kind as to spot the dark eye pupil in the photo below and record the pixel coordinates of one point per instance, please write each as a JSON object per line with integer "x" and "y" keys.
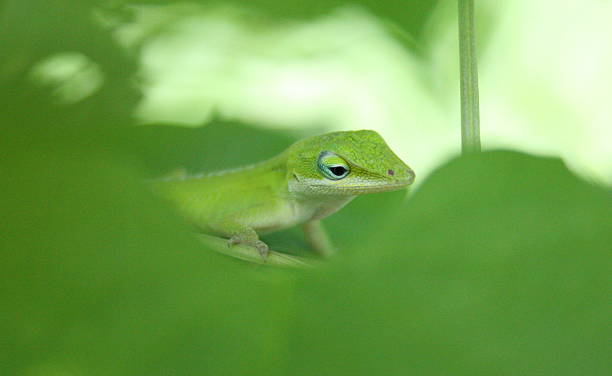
{"x": 338, "y": 170}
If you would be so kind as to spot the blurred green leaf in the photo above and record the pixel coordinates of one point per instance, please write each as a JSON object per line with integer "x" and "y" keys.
{"x": 99, "y": 277}
{"x": 35, "y": 30}
{"x": 499, "y": 265}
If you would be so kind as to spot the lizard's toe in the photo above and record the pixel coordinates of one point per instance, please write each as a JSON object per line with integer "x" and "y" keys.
{"x": 261, "y": 247}
{"x": 234, "y": 240}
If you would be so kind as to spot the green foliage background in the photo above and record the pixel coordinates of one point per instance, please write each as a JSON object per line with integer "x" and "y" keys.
{"x": 497, "y": 265}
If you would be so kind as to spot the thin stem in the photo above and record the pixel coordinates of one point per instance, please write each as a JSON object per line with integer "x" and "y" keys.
{"x": 470, "y": 117}
{"x": 251, "y": 254}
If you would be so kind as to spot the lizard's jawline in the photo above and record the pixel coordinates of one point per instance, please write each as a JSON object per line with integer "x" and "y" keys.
{"x": 363, "y": 188}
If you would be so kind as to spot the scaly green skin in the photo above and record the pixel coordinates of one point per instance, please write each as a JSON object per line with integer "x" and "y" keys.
{"x": 289, "y": 189}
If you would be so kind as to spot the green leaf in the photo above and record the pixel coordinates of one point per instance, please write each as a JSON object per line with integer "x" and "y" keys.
{"x": 499, "y": 265}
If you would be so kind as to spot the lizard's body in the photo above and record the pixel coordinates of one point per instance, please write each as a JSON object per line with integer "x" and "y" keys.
{"x": 295, "y": 187}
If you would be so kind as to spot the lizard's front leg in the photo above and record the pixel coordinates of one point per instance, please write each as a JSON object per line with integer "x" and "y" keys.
{"x": 317, "y": 238}
{"x": 239, "y": 233}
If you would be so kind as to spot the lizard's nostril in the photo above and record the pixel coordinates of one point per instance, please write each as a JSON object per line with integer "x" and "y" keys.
{"x": 391, "y": 172}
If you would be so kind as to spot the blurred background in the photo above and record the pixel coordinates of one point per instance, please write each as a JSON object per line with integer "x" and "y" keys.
{"x": 391, "y": 66}
{"x": 496, "y": 264}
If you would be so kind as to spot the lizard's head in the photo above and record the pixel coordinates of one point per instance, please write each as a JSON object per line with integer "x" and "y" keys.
{"x": 345, "y": 163}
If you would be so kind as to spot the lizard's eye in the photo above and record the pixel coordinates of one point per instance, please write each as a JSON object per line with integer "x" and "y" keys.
{"x": 332, "y": 166}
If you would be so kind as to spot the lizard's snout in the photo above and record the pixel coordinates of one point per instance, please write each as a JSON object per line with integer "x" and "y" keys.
{"x": 410, "y": 176}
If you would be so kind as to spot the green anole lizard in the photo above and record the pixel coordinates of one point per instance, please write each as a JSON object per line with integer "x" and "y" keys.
{"x": 310, "y": 180}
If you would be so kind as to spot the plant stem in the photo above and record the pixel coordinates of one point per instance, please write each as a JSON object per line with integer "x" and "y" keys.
{"x": 470, "y": 117}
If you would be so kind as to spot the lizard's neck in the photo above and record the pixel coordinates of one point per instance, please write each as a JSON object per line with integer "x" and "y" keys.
{"x": 319, "y": 207}
{"x": 330, "y": 207}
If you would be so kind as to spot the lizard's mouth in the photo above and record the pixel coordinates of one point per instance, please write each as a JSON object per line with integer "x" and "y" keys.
{"x": 366, "y": 188}
{"x": 375, "y": 188}
{"x": 349, "y": 188}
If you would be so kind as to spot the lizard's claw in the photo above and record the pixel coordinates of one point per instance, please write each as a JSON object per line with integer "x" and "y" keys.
{"x": 261, "y": 247}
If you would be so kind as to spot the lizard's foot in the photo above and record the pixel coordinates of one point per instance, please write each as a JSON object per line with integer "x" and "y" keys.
{"x": 261, "y": 247}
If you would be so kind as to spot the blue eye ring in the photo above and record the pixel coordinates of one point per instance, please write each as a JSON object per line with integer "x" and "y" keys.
{"x": 336, "y": 170}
